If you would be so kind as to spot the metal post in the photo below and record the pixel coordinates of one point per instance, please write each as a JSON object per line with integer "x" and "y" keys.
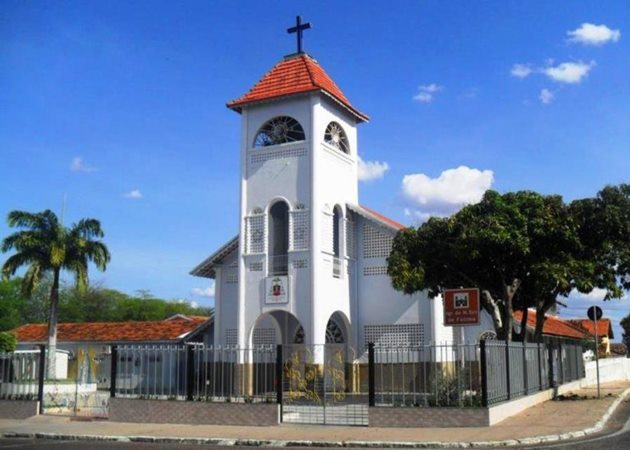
{"x": 371, "y": 381}
{"x": 525, "y": 380}
{"x": 41, "y": 375}
{"x": 597, "y": 356}
{"x": 279, "y": 387}
{"x": 190, "y": 372}
{"x": 113, "y": 371}
{"x": 551, "y": 367}
{"x": 484, "y": 374}
{"x": 540, "y": 377}
{"x": 507, "y": 369}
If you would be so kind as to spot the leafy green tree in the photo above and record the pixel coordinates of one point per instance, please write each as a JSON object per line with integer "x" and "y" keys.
{"x": 11, "y": 304}
{"x": 8, "y": 342}
{"x": 522, "y": 250}
{"x": 44, "y": 245}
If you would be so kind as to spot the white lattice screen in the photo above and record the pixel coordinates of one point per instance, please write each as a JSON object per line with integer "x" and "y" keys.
{"x": 256, "y": 266}
{"x": 231, "y": 278}
{"x": 256, "y": 233}
{"x": 300, "y": 264}
{"x": 373, "y": 271}
{"x": 231, "y": 336}
{"x": 375, "y": 243}
{"x": 350, "y": 245}
{"x": 264, "y": 336}
{"x": 260, "y": 156}
{"x": 394, "y": 335}
{"x": 327, "y": 232}
{"x": 300, "y": 229}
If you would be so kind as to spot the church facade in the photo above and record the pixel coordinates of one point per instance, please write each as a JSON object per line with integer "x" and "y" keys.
{"x": 308, "y": 264}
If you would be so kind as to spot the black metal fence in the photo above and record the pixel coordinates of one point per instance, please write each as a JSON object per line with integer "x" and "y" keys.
{"x": 427, "y": 375}
{"x": 195, "y": 372}
{"x": 513, "y": 370}
{"x": 437, "y": 375}
{"x": 20, "y": 375}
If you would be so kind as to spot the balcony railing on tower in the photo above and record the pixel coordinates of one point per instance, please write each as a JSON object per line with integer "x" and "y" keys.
{"x": 279, "y": 265}
{"x": 337, "y": 267}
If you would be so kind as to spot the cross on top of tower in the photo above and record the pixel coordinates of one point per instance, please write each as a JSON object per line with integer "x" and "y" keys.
{"x": 297, "y": 29}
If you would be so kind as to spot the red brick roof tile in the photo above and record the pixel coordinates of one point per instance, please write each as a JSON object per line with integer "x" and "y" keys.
{"x": 295, "y": 75}
{"x": 172, "y": 329}
{"x": 382, "y": 218}
{"x": 553, "y": 326}
{"x": 604, "y": 326}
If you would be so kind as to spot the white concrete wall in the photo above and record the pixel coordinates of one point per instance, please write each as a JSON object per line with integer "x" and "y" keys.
{"x": 610, "y": 369}
{"x": 378, "y": 303}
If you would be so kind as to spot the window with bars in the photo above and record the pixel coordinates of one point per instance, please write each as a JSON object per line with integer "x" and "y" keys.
{"x": 376, "y": 244}
{"x": 350, "y": 245}
{"x": 394, "y": 335}
{"x": 231, "y": 278}
{"x": 373, "y": 271}
{"x": 300, "y": 229}
{"x": 264, "y": 336}
{"x": 231, "y": 336}
{"x": 256, "y": 233}
{"x": 327, "y": 232}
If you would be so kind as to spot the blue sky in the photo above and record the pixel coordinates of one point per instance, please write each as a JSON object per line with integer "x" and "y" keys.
{"x": 120, "y": 107}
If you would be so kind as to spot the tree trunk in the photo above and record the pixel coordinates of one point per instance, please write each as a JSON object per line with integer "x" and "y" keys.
{"x": 51, "y": 372}
{"x": 541, "y": 310}
{"x": 491, "y": 306}
{"x": 523, "y": 333}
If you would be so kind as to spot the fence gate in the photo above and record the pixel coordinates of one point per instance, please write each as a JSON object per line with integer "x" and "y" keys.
{"x": 322, "y": 385}
{"x": 82, "y": 384}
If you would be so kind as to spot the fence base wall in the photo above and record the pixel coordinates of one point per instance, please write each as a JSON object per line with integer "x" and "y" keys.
{"x": 18, "y": 409}
{"x": 427, "y": 417}
{"x": 194, "y": 413}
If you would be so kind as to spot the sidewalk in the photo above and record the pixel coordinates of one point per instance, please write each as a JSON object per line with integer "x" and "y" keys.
{"x": 553, "y": 420}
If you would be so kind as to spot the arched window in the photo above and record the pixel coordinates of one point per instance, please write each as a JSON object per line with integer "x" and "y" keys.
{"x": 334, "y": 334}
{"x": 278, "y": 238}
{"x": 336, "y": 137}
{"x": 279, "y": 130}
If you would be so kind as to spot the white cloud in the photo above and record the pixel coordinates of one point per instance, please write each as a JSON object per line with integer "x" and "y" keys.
{"x": 194, "y": 304}
{"x": 444, "y": 195}
{"x": 426, "y": 92}
{"x": 78, "y": 165}
{"x": 134, "y": 194}
{"x": 520, "y": 70}
{"x": 591, "y": 34}
{"x": 371, "y": 170}
{"x": 569, "y": 72}
{"x": 546, "y": 96}
{"x": 203, "y": 292}
{"x": 596, "y": 295}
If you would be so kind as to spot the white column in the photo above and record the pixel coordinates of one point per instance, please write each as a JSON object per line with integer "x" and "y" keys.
{"x": 242, "y": 330}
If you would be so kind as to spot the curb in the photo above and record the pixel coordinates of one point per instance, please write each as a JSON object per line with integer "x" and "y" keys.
{"x": 329, "y": 444}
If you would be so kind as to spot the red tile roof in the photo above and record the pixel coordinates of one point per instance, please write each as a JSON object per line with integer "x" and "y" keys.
{"x": 295, "y": 75}
{"x": 553, "y": 326}
{"x": 382, "y": 218}
{"x": 172, "y": 329}
{"x": 604, "y": 326}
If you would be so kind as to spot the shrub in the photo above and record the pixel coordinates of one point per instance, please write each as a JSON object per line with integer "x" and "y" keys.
{"x": 8, "y": 341}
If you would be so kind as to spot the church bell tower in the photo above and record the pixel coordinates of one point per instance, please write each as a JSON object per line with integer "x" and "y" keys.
{"x": 298, "y": 174}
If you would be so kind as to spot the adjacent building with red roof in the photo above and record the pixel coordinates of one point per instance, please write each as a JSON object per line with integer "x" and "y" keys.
{"x": 554, "y": 326}
{"x": 176, "y": 329}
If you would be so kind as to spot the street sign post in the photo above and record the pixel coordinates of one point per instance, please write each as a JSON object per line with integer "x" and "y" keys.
{"x": 461, "y": 307}
{"x": 595, "y": 313}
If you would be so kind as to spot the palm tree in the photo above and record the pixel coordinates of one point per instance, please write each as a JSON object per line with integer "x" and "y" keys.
{"x": 46, "y": 247}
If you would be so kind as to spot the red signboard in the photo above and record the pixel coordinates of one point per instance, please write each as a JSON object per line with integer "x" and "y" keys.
{"x": 461, "y": 307}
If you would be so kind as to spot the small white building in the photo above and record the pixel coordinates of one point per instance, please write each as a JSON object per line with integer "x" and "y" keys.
{"x": 308, "y": 263}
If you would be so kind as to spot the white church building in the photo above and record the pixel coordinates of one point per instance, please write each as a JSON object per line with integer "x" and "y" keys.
{"x": 308, "y": 264}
